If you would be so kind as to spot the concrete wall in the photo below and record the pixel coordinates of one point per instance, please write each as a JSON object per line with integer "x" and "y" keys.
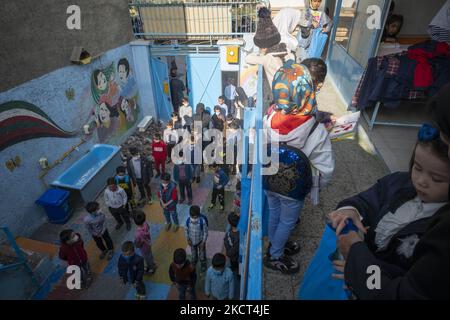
{"x": 67, "y": 98}
{"x": 34, "y": 38}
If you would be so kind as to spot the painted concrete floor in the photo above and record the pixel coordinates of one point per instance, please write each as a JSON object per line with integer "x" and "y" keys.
{"x": 106, "y": 284}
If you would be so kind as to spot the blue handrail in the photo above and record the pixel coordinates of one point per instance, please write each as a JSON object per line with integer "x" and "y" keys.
{"x": 251, "y": 286}
{"x": 20, "y": 256}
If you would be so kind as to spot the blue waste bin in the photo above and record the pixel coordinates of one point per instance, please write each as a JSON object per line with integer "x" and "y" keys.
{"x": 56, "y": 205}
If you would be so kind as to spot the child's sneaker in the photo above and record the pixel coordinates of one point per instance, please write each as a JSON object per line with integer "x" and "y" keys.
{"x": 150, "y": 270}
{"x": 103, "y": 255}
{"x": 211, "y": 206}
{"x": 284, "y": 264}
{"x": 175, "y": 229}
{"x": 110, "y": 255}
{"x": 291, "y": 248}
{"x": 222, "y": 208}
{"x": 198, "y": 179}
{"x": 140, "y": 296}
{"x": 150, "y": 202}
{"x": 168, "y": 225}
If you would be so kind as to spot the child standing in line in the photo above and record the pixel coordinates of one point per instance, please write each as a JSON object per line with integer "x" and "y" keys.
{"x": 72, "y": 250}
{"x": 116, "y": 199}
{"x": 196, "y": 235}
{"x": 142, "y": 241}
{"x": 95, "y": 223}
{"x": 159, "y": 153}
{"x": 231, "y": 242}
{"x": 218, "y": 119}
{"x": 131, "y": 269}
{"x": 168, "y": 199}
{"x": 123, "y": 180}
{"x": 182, "y": 274}
{"x": 220, "y": 180}
{"x": 219, "y": 282}
{"x": 182, "y": 174}
{"x": 140, "y": 169}
{"x": 170, "y": 138}
{"x": 185, "y": 113}
{"x": 223, "y": 106}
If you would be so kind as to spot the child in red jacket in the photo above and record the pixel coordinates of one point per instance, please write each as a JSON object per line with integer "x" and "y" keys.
{"x": 159, "y": 153}
{"x": 72, "y": 250}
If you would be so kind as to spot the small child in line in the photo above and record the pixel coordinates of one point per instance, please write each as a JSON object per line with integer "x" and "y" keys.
{"x": 72, "y": 250}
{"x": 168, "y": 199}
{"x": 95, "y": 223}
{"x": 123, "y": 180}
{"x": 142, "y": 241}
{"x": 116, "y": 199}
{"x": 182, "y": 274}
{"x": 196, "y": 235}
{"x": 131, "y": 269}
{"x": 231, "y": 242}
{"x": 159, "y": 153}
{"x": 219, "y": 282}
{"x": 220, "y": 181}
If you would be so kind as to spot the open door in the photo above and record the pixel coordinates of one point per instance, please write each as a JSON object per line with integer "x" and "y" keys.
{"x": 161, "y": 89}
{"x": 204, "y": 78}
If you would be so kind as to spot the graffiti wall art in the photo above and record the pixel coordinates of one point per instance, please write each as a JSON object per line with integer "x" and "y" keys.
{"x": 21, "y": 121}
{"x": 114, "y": 95}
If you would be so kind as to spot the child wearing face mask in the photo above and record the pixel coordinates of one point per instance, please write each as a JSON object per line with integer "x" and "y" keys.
{"x": 182, "y": 274}
{"x": 185, "y": 113}
{"x": 170, "y": 138}
{"x": 95, "y": 223}
{"x": 218, "y": 120}
{"x": 159, "y": 153}
{"x": 72, "y": 250}
{"x": 116, "y": 199}
{"x": 219, "y": 282}
{"x": 131, "y": 269}
{"x": 168, "y": 199}
{"x": 196, "y": 235}
{"x": 140, "y": 169}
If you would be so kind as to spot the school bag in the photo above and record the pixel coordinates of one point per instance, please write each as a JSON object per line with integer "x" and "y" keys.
{"x": 294, "y": 178}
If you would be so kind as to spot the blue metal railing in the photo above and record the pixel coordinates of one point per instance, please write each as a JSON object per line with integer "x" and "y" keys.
{"x": 252, "y": 206}
{"x": 21, "y": 258}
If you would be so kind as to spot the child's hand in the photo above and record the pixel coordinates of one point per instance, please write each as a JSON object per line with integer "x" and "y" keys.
{"x": 315, "y": 24}
{"x": 339, "y": 219}
{"x": 339, "y": 265}
{"x": 346, "y": 241}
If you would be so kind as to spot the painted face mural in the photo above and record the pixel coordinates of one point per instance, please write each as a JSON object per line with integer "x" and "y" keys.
{"x": 126, "y": 109}
{"x": 104, "y": 115}
{"x": 101, "y": 81}
{"x": 123, "y": 73}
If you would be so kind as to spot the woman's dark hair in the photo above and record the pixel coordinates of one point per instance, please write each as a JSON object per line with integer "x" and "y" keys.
{"x": 96, "y": 73}
{"x": 179, "y": 256}
{"x": 219, "y": 260}
{"x": 124, "y": 62}
{"x": 317, "y": 68}
{"x": 65, "y": 235}
{"x": 92, "y": 206}
{"x": 440, "y": 110}
{"x": 139, "y": 217}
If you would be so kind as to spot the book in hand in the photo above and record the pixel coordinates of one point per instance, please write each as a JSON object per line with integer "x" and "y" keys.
{"x": 345, "y": 127}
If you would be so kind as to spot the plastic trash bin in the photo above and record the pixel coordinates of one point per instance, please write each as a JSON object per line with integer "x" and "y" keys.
{"x": 56, "y": 205}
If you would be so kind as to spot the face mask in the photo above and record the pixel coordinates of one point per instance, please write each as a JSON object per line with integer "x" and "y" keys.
{"x": 217, "y": 113}
{"x": 194, "y": 219}
{"x": 136, "y": 157}
{"x": 156, "y": 140}
{"x": 74, "y": 239}
{"x": 229, "y": 122}
{"x": 165, "y": 185}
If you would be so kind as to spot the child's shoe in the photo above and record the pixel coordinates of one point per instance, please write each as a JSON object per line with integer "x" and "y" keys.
{"x": 140, "y": 296}
{"x": 198, "y": 179}
{"x": 175, "y": 229}
{"x": 103, "y": 255}
{"x": 211, "y": 206}
{"x": 150, "y": 202}
{"x": 168, "y": 225}
{"x": 150, "y": 270}
{"x": 222, "y": 208}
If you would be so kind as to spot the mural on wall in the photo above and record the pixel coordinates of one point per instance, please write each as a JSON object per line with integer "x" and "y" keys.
{"x": 20, "y": 121}
{"x": 114, "y": 94}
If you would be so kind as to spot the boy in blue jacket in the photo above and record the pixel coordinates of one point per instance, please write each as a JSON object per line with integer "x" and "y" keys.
{"x": 219, "y": 282}
{"x": 131, "y": 269}
{"x": 220, "y": 180}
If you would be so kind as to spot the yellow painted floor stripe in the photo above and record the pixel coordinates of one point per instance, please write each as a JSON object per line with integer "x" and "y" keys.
{"x": 37, "y": 246}
{"x": 163, "y": 249}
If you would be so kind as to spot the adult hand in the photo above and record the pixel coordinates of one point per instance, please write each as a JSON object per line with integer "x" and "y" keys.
{"x": 346, "y": 241}
{"x": 339, "y": 219}
{"x": 339, "y": 265}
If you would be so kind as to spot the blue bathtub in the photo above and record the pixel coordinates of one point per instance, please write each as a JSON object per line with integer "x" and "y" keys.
{"x": 89, "y": 174}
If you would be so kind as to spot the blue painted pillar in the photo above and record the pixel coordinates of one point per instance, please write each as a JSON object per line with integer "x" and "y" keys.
{"x": 142, "y": 72}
